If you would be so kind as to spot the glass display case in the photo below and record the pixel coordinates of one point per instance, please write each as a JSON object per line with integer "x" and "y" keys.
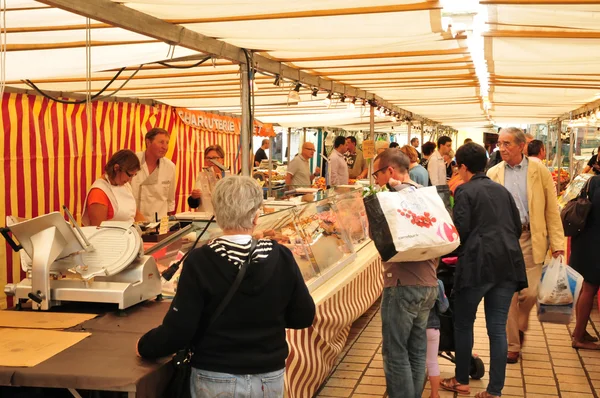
{"x": 323, "y": 234}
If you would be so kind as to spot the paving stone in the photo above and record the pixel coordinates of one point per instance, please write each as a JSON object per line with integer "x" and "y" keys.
{"x": 569, "y": 371}
{"x": 335, "y": 392}
{"x": 514, "y": 381}
{"x": 538, "y": 372}
{"x": 509, "y": 390}
{"x": 337, "y": 382}
{"x": 369, "y": 340}
{"x": 373, "y": 380}
{"x": 365, "y": 346}
{"x": 558, "y": 356}
{"x": 356, "y": 359}
{"x": 537, "y": 364}
{"x": 539, "y": 389}
{"x": 361, "y": 353}
{"x": 541, "y": 380}
{"x": 375, "y": 372}
{"x": 369, "y": 389}
{"x": 376, "y": 364}
{"x": 583, "y": 388}
{"x": 347, "y": 374}
{"x": 352, "y": 366}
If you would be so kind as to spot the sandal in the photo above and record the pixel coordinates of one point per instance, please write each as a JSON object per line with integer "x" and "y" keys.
{"x": 453, "y": 385}
{"x": 585, "y": 345}
{"x": 485, "y": 394}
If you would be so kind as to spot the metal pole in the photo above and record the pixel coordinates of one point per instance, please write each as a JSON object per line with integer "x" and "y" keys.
{"x": 409, "y": 129}
{"x": 246, "y": 122}
{"x": 548, "y": 142}
{"x": 371, "y": 137}
{"x": 558, "y": 155}
{"x": 422, "y": 137}
{"x": 289, "y": 144}
{"x": 572, "y": 136}
{"x": 270, "y": 187}
{"x": 303, "y": 135}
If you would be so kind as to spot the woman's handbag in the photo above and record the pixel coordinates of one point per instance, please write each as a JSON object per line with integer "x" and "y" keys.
{"x": 179, "y": 386}
{"x": 575, "y": 213}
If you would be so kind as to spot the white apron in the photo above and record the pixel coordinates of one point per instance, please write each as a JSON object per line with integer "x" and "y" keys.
{"x": 154, "y": 193}
{"x": 120, "y": 197}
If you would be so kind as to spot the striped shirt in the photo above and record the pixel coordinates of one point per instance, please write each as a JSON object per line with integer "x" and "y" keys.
{"x": 237, "y": 247}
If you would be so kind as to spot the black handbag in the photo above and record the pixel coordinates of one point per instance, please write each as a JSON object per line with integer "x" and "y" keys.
{"x": 575, "y": 213}
{"x": 179, "y": 386}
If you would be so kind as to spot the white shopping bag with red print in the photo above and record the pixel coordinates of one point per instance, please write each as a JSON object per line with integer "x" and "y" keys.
{"x": 410, "y": 225}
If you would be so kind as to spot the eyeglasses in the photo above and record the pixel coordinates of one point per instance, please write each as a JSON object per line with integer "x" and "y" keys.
{"x": 130, "y": 175}
{"x": 310, "y": 149}
{"x": 504, "y": 144}
{"x": 214, "y": 158}
{"x": 379, "y": 171}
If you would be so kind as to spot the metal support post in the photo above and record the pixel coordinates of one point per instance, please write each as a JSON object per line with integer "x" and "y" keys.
{"x": 422, "y": 137}
{"x": 289, "y": 145}
{"x": 247, "y": 123}
{"x": 558, "y": 154}
{"x": 409, "y": 130}
{"x": 371, "y": 137}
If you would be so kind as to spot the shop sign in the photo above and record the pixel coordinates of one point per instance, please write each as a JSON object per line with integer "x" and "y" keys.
{"x": 368, "y": 148}
{"x": 220, "y": 123}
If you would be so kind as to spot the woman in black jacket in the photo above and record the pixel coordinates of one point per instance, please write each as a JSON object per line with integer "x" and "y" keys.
{"x": 490, "y": 265}
{"x": 245, "y": 348}
{"x": 585, "y": 261}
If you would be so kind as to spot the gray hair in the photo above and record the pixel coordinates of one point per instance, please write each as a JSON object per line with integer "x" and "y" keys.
{"x": 517, "y": 133}
{"x": 236, "y": 201}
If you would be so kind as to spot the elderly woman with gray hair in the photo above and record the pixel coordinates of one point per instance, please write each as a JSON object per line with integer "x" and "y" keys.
{"x": 243, "y": 352}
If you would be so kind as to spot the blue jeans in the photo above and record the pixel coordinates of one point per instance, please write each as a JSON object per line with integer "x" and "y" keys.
{"x": 206, "y": 384}
{"x": 497, "y": 302}
{"x": 404, "y": 314}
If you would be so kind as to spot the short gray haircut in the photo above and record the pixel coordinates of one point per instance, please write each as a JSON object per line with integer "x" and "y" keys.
{"x": 517, "y": 133}
{"x": 236, "y": 201}
{"x": 395, "y": 158}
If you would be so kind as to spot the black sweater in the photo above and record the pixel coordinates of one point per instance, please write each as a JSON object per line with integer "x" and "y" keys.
{"x": 249, "y": 336}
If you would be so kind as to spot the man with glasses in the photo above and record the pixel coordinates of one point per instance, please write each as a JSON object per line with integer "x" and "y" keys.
{"x": 540, "y": 220}
{"x": 410, "y": 291}
{"x": 154, "y": 186}
{"x": 437, "y": 165}
{"x": 298, "y": 170}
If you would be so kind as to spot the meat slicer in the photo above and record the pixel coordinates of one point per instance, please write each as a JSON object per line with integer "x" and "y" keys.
{"x": 64, "y": 262}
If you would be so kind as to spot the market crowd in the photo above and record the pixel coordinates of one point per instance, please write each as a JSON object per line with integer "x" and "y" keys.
{"x": 237, "y": 294}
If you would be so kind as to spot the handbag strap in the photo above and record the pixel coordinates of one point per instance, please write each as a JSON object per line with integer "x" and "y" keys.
{"x": 586, "y": 190}
{"x": 234, "y": 287}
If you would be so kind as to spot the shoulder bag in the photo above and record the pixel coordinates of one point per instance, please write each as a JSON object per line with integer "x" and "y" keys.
{"x": 179, "y": 386}
{"x": 575, "y": 213}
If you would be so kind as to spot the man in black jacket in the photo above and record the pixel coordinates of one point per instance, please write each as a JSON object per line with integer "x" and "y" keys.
{"x": 490, "y": 265}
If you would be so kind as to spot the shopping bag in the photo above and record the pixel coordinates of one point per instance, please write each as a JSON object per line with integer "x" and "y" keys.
{"x": 553, "y": 306}
{"x": 555, "y": 288}
{"x": 410, "y": 225}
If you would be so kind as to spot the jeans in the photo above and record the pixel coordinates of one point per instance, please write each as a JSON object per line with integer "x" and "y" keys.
{"x": 497, "y": 302}
{"x": 404, "y": 314}
{"x": 206, "y": 384}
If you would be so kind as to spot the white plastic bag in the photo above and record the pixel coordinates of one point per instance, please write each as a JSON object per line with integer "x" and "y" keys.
{"x": 411, "y": 225}
{"x": 554, "y": 287}
{"x": 550, "y": 311}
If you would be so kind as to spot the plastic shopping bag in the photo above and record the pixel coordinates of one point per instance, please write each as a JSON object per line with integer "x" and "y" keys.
{"x": 554, "y": 287}
{"x": 558, "y": 292}
{"x": 410, "y": 225}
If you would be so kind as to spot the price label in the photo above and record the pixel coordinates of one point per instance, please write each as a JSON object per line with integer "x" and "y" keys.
{"x": 164, "y": 225}
{"x": 368, "y": 149}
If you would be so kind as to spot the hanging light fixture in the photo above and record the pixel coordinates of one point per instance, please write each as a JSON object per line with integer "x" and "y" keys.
{"x": 343, "y": 98}
{"x": 315, "y": 91}
{"x": 294, "y": 95}
{"x": 277, "y": 81}
{"x": 351, "y": 105}
{"x": 327, "y": 101}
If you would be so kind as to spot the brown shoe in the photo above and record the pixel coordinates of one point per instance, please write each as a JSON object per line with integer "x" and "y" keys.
{"x": 512, "y": 357}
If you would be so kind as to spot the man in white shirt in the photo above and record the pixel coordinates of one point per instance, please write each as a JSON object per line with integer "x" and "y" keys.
{"x": 536, "y": 151}
{"x": 154, "y": 185}
{"x": 338, "y": 168}
{"x": 437, "y": 166}
{"x": 298, "y": 170}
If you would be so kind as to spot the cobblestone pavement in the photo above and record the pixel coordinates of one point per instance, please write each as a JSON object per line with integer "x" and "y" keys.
{"x": 549, "y": 368}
